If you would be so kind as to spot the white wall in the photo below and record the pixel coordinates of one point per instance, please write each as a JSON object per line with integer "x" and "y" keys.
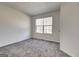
{"x": 69, "y": 27}
{"x": 55, "y": 35}
{"x": 14, "y": 26}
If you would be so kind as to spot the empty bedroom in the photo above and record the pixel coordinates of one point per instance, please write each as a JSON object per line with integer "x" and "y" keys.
{"x": 39, "y": 29}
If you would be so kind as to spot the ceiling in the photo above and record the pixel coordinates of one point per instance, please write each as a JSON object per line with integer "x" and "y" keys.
{"x": 34, "y": 8}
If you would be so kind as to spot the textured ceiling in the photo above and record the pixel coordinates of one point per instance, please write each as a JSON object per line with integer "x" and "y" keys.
{"x": 34, "y": 8}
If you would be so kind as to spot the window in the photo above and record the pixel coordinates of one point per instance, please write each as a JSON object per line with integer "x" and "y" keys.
{"x": 39, "y": 25}
{"x": 44, "y": 25}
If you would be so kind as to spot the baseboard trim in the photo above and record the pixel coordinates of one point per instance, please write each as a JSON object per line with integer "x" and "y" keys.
{"x": 46, "y": 40}
{"x": 14, "y": 43}
{"x": 65, "y": 53}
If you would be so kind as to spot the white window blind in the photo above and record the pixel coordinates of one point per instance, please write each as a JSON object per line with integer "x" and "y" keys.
{"x": 44, "y": 25}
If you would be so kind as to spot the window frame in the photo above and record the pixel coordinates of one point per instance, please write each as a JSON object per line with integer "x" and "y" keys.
{"x": 44, "y": 25}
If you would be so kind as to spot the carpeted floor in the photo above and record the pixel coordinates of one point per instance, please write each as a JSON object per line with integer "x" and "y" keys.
{"x": 32, "y": 48}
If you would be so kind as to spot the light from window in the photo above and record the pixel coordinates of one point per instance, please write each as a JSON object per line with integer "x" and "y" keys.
{"x": 44, "y": 25}
{"x": 39, "y": 25}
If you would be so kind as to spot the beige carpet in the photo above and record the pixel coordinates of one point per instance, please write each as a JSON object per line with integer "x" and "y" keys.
{"x": 32, "y": 48}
